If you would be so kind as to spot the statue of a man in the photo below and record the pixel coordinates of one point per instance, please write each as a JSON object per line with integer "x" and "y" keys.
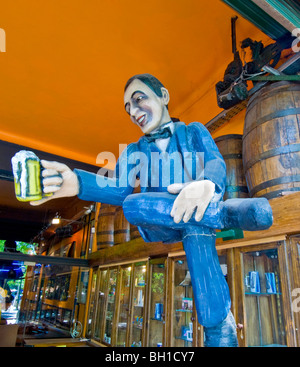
{"x": 182, "y": 178}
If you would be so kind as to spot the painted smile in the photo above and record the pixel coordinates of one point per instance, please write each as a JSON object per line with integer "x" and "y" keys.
{"x": 141, "y": 120}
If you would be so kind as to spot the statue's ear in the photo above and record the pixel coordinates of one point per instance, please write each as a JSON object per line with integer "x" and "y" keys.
{"x": 165, "y": 96}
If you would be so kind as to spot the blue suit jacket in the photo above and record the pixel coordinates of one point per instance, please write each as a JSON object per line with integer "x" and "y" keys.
{"x": 191, "y": 155}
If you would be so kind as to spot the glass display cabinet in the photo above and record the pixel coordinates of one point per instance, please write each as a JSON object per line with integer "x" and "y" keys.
{"x": 263, "y": 298}
{"x": 92, "y": 304}
{"x": 117, "y": 305}
{"x": 183, "y": 306}
{"x": 138, "y": 305}
{"x": 124, "y": 306}
{"x": 150, "y": 302}
{"x": 156, "y": 314}
{"x": 147, "y": 303}
{"x": 110, "y": 305}
{"x": 101, "y": 299}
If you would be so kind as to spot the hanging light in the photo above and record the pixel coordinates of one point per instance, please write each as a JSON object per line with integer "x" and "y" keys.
{"x": 56, "y": 219}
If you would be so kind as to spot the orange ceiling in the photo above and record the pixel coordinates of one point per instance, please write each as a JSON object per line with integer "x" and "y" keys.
{"x": 66, "y": 63}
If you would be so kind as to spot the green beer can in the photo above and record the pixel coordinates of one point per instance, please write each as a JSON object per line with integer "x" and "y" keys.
{"x": 27, "y": 170}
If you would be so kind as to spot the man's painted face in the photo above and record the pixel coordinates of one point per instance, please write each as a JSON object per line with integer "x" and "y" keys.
{"x": 144, "y": 107}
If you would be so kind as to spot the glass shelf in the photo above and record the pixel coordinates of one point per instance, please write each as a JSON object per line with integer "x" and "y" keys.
{"x": 121, "y": 332}
{"x": 157, "y": 302}
{"x": 265, "y": 323}
{"x": 101, "y": 303}
{"x": 139, "y": 282}
{"x": 110, "y": 310}
{"x": 183, "y": 297}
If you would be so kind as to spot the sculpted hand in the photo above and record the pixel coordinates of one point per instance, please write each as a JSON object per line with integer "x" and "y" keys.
{"x": 58, "y": 179}
{"x": 192, "y": 196}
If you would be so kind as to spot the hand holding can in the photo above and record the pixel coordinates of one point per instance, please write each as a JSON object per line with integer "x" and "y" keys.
{"x": 39, "y": 181}
{"x": 27, "y": 176}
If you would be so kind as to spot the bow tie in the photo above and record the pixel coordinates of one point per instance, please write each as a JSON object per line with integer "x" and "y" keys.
{"x": 160, "y": 134}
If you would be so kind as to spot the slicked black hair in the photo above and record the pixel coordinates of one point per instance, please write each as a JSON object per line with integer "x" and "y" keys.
{"x": 148, "y": 79}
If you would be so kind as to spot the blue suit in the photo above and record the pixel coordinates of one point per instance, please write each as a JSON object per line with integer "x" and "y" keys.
{"x": 186, "y": 140}
{"x": 208, "y": 164}
{"x": 194, "y": 156}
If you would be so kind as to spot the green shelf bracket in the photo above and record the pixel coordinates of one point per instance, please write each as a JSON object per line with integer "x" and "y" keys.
{"x": 230, "y": 234}
{"x": 273, "y": 78}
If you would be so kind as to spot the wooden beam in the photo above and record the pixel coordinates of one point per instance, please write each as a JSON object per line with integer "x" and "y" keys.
{"x": 257, "y": 16}
{"x": 281, "y": 17}
{"x": 130, "y": 251}
{"x": 252, "y": 242}
{"x": 54, "y": 260}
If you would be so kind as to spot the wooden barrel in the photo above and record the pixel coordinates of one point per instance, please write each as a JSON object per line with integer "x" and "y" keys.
{"x": 121, "y": 227}
{"x": 105, "y": 229}
{"x": 230, "y": 146}
{"x": 134, "y": 232}
{"x": 271, "y": 140}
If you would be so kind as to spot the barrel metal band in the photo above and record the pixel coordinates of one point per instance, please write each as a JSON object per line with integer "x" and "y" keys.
{"x": 293, "y": 148}
{"x": 232, "y": 156}
{"x": 275, "y": 194}
{"x": 274, "y": 182}
{"x": 105, "y": 232}
{"x": 118, "y": 231}
{"x": 228, "y": 137}
{"x": 269, "y": 93}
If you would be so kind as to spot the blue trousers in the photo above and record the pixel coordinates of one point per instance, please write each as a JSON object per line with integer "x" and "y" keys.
{"x": 151, "y": 213}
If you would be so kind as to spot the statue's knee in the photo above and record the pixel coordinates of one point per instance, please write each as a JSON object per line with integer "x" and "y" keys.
{"x": 149, "y": 208}
{"x": 248, "y": 214}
